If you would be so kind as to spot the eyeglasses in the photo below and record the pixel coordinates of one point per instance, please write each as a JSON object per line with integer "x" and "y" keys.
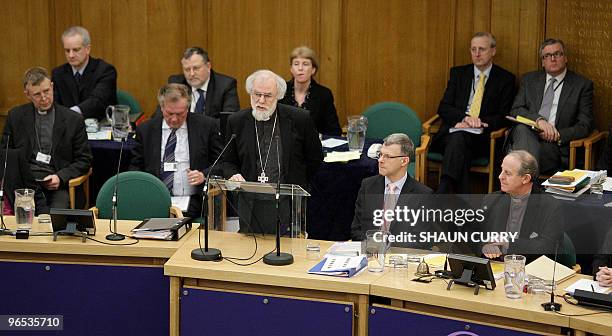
{"x": 380, "y": 155}
{"x": 265, "y": 96}
{"x": 479, "y": 49}
{"x": 556, "y": 55}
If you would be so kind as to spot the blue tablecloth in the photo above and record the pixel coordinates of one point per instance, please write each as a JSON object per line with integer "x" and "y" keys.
{"x": 334, "y": 191}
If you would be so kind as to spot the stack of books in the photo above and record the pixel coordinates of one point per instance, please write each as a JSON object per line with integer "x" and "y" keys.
{"x": 568, "y": 184}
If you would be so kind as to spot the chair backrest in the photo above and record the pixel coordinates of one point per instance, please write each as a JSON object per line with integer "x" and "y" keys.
{"x": 567, "y": 252}
{"x": 124, "y": 98}
{"x": 391, "y": 117}
{"x": 140, "y": 195}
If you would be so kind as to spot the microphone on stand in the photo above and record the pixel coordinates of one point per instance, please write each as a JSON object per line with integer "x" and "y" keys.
{"x": 278, "y": 258}
{"x": 552, "y": 305}
{"x": 3, "y": 229}
{"x": 114, "y": 235}
{"x": 206, "y": 253}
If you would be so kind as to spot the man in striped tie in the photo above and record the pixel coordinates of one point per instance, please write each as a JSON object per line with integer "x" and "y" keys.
{"x": 477, "y": 99}
{"x": 560, "y": 101}
{"x": 178, "y": 147}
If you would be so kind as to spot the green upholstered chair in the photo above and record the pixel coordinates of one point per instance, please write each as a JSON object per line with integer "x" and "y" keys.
{"x": 140, "y": 195}
{"x": 124, "y": 98}
{"x": 484, "y": 165}
{"x": 386, "y": 118}
{"x": 567, "y": 253}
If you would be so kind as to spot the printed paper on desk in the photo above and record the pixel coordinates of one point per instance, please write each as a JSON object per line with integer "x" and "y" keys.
{"x": 342, "y": 156}
{"x": 586, "y": 285}
{"x": 181, "y": 202}
{"x": 331, "y": 142}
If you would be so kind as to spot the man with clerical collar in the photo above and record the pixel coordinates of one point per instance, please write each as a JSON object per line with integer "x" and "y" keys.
{"x": 211, "y": 92}
{"x": 522, "y": 208}
{"x": 560, "y": 102}
{"x": 273, "y": 142}
{"x": 178, "y": 146}
{"x": 51, "y": 137}
{"x": 85, "y": 84}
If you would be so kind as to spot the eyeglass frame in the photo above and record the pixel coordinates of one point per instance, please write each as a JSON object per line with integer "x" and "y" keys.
{"x": 265, "y": 96}
{"x": 557, "y": 54}
{"x": 379, "y": 156}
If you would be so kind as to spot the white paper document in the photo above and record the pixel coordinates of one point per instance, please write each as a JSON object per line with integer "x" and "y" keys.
{"x": 352, "y": 248}
{"x": 342, "y": 156}
{"x": 181, "y": 202}
{"x": 100, "y": 135}
{"x": 587, "y": 285}
{"x": 473, "y": 130}
{"x": 607, "y": 186}
{"x": 542, "y": 268}
{"x": 337, "y": 263}
{"x": 331, "y": 142}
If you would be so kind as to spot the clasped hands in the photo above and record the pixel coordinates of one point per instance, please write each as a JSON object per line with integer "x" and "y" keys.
{"x": 471, "y": 122}
{"x": 549, "y": 132}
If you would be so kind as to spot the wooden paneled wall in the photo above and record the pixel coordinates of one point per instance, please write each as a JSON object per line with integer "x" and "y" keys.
{"x": 369, "y": 51}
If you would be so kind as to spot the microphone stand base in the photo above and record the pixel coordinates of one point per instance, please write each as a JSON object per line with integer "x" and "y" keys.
{"x": 201, "y": 254}
{"x": 278, "y": 260}
{"x": 551, "y": 306}
{"x": 115, "y": 237}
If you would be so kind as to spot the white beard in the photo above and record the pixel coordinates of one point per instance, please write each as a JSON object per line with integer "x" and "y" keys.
{"x": 263, "y": 116}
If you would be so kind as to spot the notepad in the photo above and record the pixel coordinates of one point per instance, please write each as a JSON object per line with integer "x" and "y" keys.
{"x": 587, "y": 285}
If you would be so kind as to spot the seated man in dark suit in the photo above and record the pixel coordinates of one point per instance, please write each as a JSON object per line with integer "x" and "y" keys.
{"x": 85, "y": 84}
{"x": 190, "y": 144}
{"x": 273, "y": 142}
{"x": 560, "y": 102}
{"x": 477, "y": 95}
{"x": 52, "y": 138}
{"x": 392, "y": 187}
{"x": 211, "y": 92}
{"x": 522, "y": 208}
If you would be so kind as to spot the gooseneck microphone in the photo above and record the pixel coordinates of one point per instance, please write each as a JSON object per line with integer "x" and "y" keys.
{"x": 552, "y": 305}
{"x": 206, "y": 253}
{"x": 114, "y": 235}
{"x": 3, "y": 228}
{"x": 278, "y": 258}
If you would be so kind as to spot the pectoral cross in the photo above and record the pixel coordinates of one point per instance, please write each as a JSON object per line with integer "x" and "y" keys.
{"x": 262, "y": 178}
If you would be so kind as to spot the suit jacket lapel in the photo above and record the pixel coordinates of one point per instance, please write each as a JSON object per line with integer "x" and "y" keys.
{"x": 155, "y": 148}
{"x": 466, "y": 85}
{"x": 489, "y": 88}
{"x": 539, "y": 90}
{"x": 26, "y": 125}
{"x": 71, "y": 83}
{"x": 566, "y": 90}
{"x": 191, "y": 140}
{"x": 59, "y": 127}
{"x": 209, "y": 92}
{"x": 248, "y": 129}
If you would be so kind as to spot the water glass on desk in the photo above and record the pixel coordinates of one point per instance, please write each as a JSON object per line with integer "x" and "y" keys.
{"x": 377, "y": 245}
{"x": 356, "y": 130}
{"x": 514, "y": 275}
{"x": 24, "y": 208}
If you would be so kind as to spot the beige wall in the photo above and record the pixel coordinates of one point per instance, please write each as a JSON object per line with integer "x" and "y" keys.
{"x": 370, "y": 51}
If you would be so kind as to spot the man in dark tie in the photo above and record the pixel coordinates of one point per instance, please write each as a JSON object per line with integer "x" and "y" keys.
{"x": 85, "y": 84}
{"x": 211, "y": 92}
{"x": 178, "y": 146}
{"x": 559, "y": 101}
{"x": 478, "y": 95}
{"x": 51, "y": 137}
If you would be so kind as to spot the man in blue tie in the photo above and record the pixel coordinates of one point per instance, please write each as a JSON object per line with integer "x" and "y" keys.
{"x": 560, "y": 101}
{"x": 210, "y": 91}
{"x": 178, "y": 146}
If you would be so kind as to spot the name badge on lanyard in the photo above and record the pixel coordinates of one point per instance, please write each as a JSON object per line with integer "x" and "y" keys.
{"x": 42, "y": 157}
{"x": 170, "y": 166}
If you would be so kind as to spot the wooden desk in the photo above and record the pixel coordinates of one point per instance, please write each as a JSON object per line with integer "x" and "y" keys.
{"x": 99, "y": 289}
{"x": 292, "y": 299}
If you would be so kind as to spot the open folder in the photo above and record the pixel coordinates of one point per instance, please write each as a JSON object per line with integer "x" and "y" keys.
{"x": 340, "y": 266}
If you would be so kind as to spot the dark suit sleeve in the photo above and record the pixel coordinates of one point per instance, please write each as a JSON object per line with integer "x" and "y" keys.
{"x": 81, "y": 154}
{"x": 313, "y": 151}
{"x": 548, "y": 225}
{"x": 584, "y": 117}
{"x": 103, "y": 94}
{"x": 521, "y": 105}
{"x": 215, "y": 144}
{"x": 448, "y": 111}
{"x": 357, "y": 225}
{"x": 496, "y": 119}
{"x": 55, "y": 78}
{"x": 138, "y": 161}
{"x": 231, "y": 102}
{"x": 231, "y": 160}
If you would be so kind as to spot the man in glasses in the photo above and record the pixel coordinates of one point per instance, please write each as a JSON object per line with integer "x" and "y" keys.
{"x": 392, "y": 186}
{"x": 559, "y": 101}
{"x": 273, "y": 142}
{"x": 478, "y": 96}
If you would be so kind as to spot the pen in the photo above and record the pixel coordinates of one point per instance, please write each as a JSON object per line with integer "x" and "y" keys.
{"x": 592, "y": 288}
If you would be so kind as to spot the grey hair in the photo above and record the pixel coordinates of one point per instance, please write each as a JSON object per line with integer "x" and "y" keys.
{"x": 529, "y": 164}
{"x": 489, "y": 35}
{"x": 551, "y": 41}
{"x": 172, "y": 93}
{"x": 196, "y": 51}
{"x": 404, "y": 141}
{"x": 34, "y": 76}
{"x": 281, "y": 85}
{"x": 78, "y": 30}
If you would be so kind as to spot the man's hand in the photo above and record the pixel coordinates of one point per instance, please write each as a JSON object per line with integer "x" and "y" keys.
{"x": 51, "y": 182}
{"x": 237, "y": 178}
{"x": 604, "y": 276}
{"x": 549, "y": 132}
{"x": 491, "y": 251}
{"x": 195, "y": 177}
{"x": 474, "y": 122}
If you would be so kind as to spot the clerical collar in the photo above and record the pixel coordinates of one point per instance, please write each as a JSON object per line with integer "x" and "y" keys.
{"x": 44, "y": 112}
